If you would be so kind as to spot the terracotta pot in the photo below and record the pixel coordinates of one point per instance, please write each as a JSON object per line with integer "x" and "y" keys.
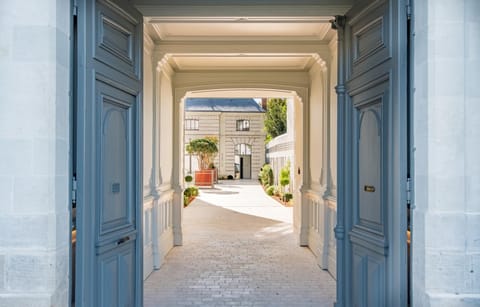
{"x": 205, "y": 178}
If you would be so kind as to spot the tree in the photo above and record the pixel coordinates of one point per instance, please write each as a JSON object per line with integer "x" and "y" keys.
{"x": 276, "y": 117}
{"x": 205, "y": 149}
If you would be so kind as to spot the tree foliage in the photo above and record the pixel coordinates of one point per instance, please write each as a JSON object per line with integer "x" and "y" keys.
{"x": 266, "y": 175}
{"x": 276, "y": 117}
{"x": 205, "y": 149}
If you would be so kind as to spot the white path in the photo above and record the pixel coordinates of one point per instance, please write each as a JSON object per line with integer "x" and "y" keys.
{"x": 234, "y": 254}
{"x": 246, "y": 196}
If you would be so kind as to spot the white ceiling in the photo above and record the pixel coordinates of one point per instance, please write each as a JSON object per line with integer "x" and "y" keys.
{"x": 244, "y": 31}
{"x": 230, "y": 30}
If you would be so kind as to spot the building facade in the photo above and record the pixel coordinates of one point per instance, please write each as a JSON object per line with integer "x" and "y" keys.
{"x": 237, "y": 124}
{"x": 45, "y": 44}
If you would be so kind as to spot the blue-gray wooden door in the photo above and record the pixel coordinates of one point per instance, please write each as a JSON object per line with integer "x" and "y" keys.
{"x": 109, "y": 112}
{"x": 372, "y": 163}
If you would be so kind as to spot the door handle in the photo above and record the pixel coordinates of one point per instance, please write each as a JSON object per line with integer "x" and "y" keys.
{"x": 123, "y": 240}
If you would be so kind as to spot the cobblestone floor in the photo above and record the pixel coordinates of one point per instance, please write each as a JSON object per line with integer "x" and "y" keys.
{"x": 232, "y": 257}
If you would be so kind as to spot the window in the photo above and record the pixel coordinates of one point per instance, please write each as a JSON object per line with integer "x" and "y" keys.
{"x": 243, "y": 149}
{"x": 243, "y": 125}
{"x": 191, "y": 124}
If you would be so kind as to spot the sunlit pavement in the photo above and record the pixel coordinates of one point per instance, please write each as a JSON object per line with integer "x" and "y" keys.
{"x": 246, "y": 196}
{"x": 239, "y": 250}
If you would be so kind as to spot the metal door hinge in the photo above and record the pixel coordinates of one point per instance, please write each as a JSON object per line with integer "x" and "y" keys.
{"x": 409, "y": 191}
{"x": 75, "y": 10}
{"x": 74, "y": 190}
{"x": 408, "y": 8}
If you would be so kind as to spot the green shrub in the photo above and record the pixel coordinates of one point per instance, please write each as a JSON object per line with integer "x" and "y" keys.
{"x": 270, "y": 190}
{"x": 266, "y": 175}
{"x": 191, "y": 191}
{"x": 285, "y": 175}
{"x": 188, "y": 194}
{"x": 287, "y": 197}
{"x": 188, "y": 178}
{"x": 194, "y": 191}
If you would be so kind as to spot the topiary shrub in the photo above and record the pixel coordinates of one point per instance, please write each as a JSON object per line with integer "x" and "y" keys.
{"x": 188, "y": 178}
{"x": 270, "y": 190}
{"x": 285, "y": 175}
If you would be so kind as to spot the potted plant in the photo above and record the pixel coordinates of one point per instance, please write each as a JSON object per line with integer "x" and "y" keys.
{"x": 206, "y": 150}
{"x": 188, "y": 180}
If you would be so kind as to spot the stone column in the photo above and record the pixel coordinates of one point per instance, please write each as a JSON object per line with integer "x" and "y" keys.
{"x": 446, "y": 112}
{"x": 34, "y": 153}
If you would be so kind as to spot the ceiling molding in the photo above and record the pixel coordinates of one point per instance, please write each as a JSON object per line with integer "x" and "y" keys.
{"x": 239, "y": 48}
{"x": 164, "y": 65}
{"x": 262, "y": 11}
{"x": 240, "y": 31}
{"x": 239, "y": 19}
{"x": 148, "y": 44}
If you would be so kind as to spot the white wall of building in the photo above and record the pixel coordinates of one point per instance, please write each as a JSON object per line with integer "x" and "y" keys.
{"x": 446, "y": 218}
{"x": 321, "y": 202}
{"x": 34, "y": 153}
{"x": 158, "y": 159}
{"x": 222, "y": 125}
{"x": 148, "y": 155}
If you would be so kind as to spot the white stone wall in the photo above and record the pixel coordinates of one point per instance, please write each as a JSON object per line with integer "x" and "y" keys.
{"x": 446, "y": 218}
{"x": 158, "y": 162}
{"x": 208, "y": 125}
{"x": 148, "y": 155}
{"x": 223, "y": 126}
{"x": 165, "y": 126}
{"x": 34, "y": 153}
{"x": 316, "y": 120}
{"x": 320, "y": 196}
{"x": 255, "y": 137}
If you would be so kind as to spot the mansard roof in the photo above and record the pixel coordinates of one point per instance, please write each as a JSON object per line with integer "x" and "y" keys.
{"x": 247, "y": 105}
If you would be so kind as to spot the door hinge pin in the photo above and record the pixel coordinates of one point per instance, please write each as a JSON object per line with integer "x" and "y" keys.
{"x": 409, "y": 191}
{"x": 409, "y": 10}
{"x": 74, "y": 190}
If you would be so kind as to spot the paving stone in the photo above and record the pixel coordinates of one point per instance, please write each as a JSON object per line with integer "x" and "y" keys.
{"x": 235, "y": 255}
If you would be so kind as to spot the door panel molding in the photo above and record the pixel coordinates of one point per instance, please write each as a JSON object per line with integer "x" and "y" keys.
{"x": 371, "y": 217}
{"x": 109, "y": 155}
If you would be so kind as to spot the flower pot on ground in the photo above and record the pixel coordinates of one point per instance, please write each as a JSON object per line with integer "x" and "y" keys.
{"x": 205, "y": 178}
{"x": 205, "y": 149}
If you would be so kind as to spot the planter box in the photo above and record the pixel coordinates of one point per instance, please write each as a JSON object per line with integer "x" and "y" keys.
{"x": 205, "y": 178}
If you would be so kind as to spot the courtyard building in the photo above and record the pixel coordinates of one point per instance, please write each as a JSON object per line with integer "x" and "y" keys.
{"x": 237, "y": 125}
